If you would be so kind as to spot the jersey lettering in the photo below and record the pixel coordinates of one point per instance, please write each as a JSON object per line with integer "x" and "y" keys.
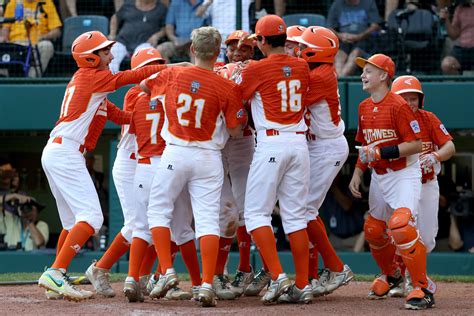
{"x": 155, "y": 119}
{"x": 293, "y": 101}
{"x": 66, "y": 101}
{"x": 187, "y": 101}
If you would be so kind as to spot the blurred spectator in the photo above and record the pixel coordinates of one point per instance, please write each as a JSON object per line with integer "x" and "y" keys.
{"x": 181, "y": 19}
{"x": 264, "y": 7}
{"x": 228, "y": 22}
{"x": 40, "y": 25}
{"x": 460, "y": 28}
{"x": 390, "y": 5}
{"x": 343, "y": 215}
{"x": 19, "y": 224}
{"x": 140, "y": 24}
{"x": 354, "y": 21}
{"x": 89, "y": 7}
{"x": 2, "y": 4}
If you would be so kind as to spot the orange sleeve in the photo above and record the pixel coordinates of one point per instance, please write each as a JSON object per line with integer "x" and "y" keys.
{"x": 156, "y": 82}
{"x": 362, "y": 166}
{"x": 406, "y": 125}
{"x": 439, "y": 133}
{"x": 360, "y": 135}
{"x": 249, "y": 82}
{"x": 315, "y": 90}
{"x": 116, "y": 115}
{"x": 234, "y": 111}
{"x": 105, "y": 81}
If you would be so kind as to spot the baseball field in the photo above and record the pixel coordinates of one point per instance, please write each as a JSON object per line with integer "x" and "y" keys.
{"x": 454, "y": 297}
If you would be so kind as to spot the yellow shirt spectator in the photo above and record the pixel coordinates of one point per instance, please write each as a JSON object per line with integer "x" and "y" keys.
{"x": 40, "y": 22}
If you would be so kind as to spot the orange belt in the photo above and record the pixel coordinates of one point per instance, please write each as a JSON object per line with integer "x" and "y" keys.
{"x": 145, "y": 161}
{"x": 132, "y": 156}
{"x": 59, "y": 140}
{"x": 274, "y": 132}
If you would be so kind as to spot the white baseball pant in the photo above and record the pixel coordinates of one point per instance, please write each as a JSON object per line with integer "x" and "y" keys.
{"x": 229, "y": 214}
{"x": 427, "y": 221}
{"x": 123, "y": 173}
{"x": 199, "y": 171}
{"x": 279, "y": 171}
{"x": 326, "y": 158}
{"x": 71, "y": 184}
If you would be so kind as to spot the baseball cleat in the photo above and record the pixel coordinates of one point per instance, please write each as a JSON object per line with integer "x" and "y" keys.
{"x": 51, "y": 295}
{"x": 319, "y": 285}
{"x": 86, "y": 294}
{"x": 151, "y": 284}
{"x": 143, "y": 283}
{"x": 56, "y": 280}
{"x": 195, "y": 292}
{"x": 338, "y": 279}
{"x": 398, "y": 291}
{"x": 297, "y": 296}
{"x": 241, "y": 281}
{"x": 177, "y": 294}
{"x": 164, "y": 283}
{"x": 383, "y": 284}
{"x": 261, "y": 279}
{"x": 207, "y": 295}
{"x": 276, "y": 289}
{"x": 420, "y": 299}
{"x": 221, "y": 284}
{"x": 131, "y": 289}
{"x": 100, "y": 280}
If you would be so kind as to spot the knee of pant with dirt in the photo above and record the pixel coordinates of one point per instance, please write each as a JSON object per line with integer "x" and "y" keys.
{"x": 403, "y": 229}
{"x": 376, "y": 233}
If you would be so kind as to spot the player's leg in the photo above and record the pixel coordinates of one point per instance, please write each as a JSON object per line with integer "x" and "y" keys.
{"x": 205, "y": 188}
{"x": 427, "y": 217}
{"x": 292, "y": 195}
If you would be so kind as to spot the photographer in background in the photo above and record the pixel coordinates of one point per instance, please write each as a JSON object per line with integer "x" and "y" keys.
{"x": 19, "y": 224}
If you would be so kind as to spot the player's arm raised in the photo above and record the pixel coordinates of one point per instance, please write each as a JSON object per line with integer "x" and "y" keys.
{"x": 116, "y": 115}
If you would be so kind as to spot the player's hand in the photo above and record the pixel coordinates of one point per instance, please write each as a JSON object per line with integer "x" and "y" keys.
{"x": 153, "y": 40}
{"x": 354, "y": 186}
{"x": 368, "y": 154}
{"x": 430, "y": 160}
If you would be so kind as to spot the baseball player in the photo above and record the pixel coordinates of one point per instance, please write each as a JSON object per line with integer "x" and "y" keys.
{"x": 437, "y": 146}
{"x": 291, "y": 44}
{"x": 196, "y": 117}
{"x": 276, "y": 87}
{"x": 63, "y": 161}
{"x": 391, "y": 141}
{"x": 236, "y": 157}
{"x": 328, "y": 148}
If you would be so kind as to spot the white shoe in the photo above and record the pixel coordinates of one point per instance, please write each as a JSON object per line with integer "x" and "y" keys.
{"x": 221, "y": 285}
{"x": 100, "y": 280}
{"x": 297, "y": 296}
{"x": 319, "y": 285}
{"x": 338, "y": 279}
{"x": 241, "y": 281}
{"x": 177, "y": 294}
{"x": 86, "y": 294}
{"x": 277, "y": 288}
{"x": 50, "y": 295}
{"x": 207, "y": 295}
{"x": 260, "y": 280}
{"x": 131, "y": 289}
{"x": 57, "y": 281}
{"x": 195, "y": 292}
{"x": 143, "y": 282}
{"x": 165, "y": 283}
{"x": 151, "y": 284}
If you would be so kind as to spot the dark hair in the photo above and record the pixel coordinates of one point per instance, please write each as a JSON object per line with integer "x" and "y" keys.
{"x": 276, "y": 40}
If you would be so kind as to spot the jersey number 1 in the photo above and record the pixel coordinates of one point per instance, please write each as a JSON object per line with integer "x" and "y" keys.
{"x": 187, "y": 101}
{"x": 290, "y": 98}
{"x": 67, "y": 99}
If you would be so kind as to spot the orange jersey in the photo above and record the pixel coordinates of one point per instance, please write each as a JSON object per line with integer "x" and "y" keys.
{"x": 147, "y": 122}
{"x": 106, "y": 111}
{"x": 276, "y": 87}
{"x": 85, "y": 93}
{"x": 199, "y": 104}
{"x": 387, "y": 123}
{"x": 127, "y": 140}
{"x": 433, "y": 136}
{"x": 323, "y": 103}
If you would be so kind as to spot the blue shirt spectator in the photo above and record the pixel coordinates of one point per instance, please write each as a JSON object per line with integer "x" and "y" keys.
{"x": 182, "y": 15}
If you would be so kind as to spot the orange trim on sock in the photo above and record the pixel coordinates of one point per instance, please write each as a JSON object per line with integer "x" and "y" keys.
{"x": 138, "y": 251}
{"x": 116, "y": 250}
{"x": 162, "y": 240}
{"x": 209, "y": 250}
{"x": 189, "y": 255}
{"x": 244, "y": 240}
{"x": 73, "y": 243}
{"x": 62, "y": 238}
{"x": 318, "y": 236}
{"x": 224, "y": 248}
{"x": 299, "y": 243}
{"x": 148, "y": 261}
{"x": 265, "y": 240}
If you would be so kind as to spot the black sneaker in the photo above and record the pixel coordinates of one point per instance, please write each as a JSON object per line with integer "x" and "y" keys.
{"x": 427, "y": 301}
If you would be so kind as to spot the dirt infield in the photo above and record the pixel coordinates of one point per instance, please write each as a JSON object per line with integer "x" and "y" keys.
{"x": 451, "y": 299}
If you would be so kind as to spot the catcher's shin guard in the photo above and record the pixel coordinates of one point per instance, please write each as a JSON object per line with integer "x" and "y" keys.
{"x": 410, "y": 247}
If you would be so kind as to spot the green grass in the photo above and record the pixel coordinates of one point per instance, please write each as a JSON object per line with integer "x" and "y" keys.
{"x": 119, "y": 277}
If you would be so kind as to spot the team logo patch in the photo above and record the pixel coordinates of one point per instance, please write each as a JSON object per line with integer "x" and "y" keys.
{"x": 240, "y": 113}
{"x": 280, "y": 28}
{"x": 376, "y": 109}
{"x": 153, "y": 104}
{"x": 445, "y": 131}
{"x": 415, "y": 126}
{"x": 287, "y": 71}
{"x": 195, "y": 86}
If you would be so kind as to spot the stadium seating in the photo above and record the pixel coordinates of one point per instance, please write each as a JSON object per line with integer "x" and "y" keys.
{"x": 76, "y": 25}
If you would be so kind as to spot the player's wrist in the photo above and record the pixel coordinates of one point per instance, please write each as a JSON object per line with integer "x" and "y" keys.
{"x": 436, "y": 156}
{"x": 390, "y": 152}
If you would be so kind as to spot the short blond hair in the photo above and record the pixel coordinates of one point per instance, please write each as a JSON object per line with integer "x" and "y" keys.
{"x": 206, "y": 41}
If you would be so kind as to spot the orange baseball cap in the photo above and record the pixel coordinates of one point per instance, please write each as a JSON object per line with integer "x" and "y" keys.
{"x": 269, "y": 25}
{"x": 237, "y": 36}
{"x": 380, "y": 61}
